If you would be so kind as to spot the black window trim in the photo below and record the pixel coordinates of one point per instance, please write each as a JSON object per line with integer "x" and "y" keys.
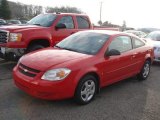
{"x": 85, "y": 18}
{"x": 72, "y": 20}
{"x": 133, "y": 44}
{"x": 122, "y": 36}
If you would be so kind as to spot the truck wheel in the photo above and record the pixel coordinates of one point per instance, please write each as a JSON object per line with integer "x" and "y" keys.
{"x": 144, "y": 71}
{"x": 86, "y": 90}
{"x": 34, "y": 47}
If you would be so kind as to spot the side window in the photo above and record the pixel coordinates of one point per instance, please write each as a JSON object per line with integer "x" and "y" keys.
{"x": 137, "y": 43}
{"x": 83, "y": 22}
{"x": 68, "y": 21}
{"x": 121, "y": 43}
{"x": 158, "y": 37}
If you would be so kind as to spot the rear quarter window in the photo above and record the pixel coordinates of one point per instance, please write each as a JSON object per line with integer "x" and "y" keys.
{"x": 83, "y": 22}
{"x": 137, "y": 43}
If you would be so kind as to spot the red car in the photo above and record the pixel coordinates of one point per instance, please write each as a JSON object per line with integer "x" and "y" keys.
{"x": 81, "y": 64}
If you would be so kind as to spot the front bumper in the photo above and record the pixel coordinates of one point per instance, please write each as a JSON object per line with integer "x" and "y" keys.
{"x": 43, "y": 89}
{"x": 11, "y": 53}
{"x": 157, "y": 59}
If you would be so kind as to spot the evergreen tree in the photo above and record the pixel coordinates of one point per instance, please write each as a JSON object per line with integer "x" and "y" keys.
{"x": 5, "y": 12}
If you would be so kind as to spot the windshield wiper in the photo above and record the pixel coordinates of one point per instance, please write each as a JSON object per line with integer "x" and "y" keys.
{"x": 32, "y": 24}
{"x": 37, "y": 24}
{"x": 57, "y": 46}
{"x": 70, "y": 49}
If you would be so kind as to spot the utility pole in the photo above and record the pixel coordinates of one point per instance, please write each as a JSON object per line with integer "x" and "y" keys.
{"x": 101, "y": 11}
{"x": 100, "y": 21}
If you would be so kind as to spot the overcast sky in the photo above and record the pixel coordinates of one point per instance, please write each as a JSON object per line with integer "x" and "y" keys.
{"x": 136, "y": 13}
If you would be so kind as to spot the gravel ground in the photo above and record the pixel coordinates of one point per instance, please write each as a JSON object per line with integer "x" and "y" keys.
{"x": 125, "y": 100}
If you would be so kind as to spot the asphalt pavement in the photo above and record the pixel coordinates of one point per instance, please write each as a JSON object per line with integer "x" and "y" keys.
{"x": 125, "y": 100}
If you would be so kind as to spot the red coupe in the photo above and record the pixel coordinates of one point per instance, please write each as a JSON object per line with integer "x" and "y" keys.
{"x": 81, "y": 64}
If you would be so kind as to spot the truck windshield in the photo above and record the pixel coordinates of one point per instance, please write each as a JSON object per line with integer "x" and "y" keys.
{"x": 44, "y": 20}
{"x": 84, "y": 42}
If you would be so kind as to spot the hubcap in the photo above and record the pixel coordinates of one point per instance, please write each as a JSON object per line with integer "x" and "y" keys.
{"x": 88, "y": 90}
{"x": 146, "y": 70}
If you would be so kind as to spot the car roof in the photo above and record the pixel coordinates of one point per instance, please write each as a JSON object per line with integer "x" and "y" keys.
{"x": 133, "y": 31}
{"x": 76, "y": 14}
{"x": 158, "y": 32}
{"x": 107, "y": 32}
{"x": 1, "y": 19}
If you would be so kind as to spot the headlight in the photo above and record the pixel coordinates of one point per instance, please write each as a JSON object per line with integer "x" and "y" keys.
{"x": 56, "y": 74}
{"x": 15, "y": 37}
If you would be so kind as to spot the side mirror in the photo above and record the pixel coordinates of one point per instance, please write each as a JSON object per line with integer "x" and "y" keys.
{"x": 60, "y": 26}
{"x": 112, "y": 52}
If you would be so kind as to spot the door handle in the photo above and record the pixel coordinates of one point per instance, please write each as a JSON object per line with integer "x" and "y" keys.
{"x": 134, "y": 55}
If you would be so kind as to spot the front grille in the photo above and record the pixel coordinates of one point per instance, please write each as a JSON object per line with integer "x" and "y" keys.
{"x": 27, "y": 70}
{"x": 3, "y": 36}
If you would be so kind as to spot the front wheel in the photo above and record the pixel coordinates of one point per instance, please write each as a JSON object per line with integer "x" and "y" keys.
{"x": 34, "y": 47}
{"x": 144, "y": 71}
{"x": 86, "y": 90}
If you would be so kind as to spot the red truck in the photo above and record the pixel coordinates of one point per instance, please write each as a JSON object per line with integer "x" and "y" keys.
{"x": 42, "y": 31}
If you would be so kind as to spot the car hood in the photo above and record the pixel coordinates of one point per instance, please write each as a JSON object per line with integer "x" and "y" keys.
{"x": 152, "y": 42}
{"x": 47, "y": 58}
{"x": 156, "y": 43}
{"x": 19, "y": 27}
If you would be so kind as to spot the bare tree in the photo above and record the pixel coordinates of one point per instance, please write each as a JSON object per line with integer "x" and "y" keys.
{"x": 63, "y": 9}
{"x": 20, "y": 10}
{"x": 5, "y": 9}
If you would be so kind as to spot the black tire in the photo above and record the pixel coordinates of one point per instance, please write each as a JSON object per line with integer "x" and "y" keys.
{"x": 34, "y": 47}
{"x": 143, "y": 75}
{"x": 84, "y": 94}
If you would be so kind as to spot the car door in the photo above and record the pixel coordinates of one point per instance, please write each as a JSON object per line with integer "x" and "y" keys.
{"x": 60, "y": 34}
{"x": 138, "y": 54}
{"x": 120, "y": 66}
{"x": 83, "y": 23}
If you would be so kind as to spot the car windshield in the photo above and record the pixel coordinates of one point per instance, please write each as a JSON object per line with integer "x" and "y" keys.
{"x": 154, "y": 36}
{"x": 84, "y": 42}
{"x": 44, "y": 20}
{"x": 2, "y": 21}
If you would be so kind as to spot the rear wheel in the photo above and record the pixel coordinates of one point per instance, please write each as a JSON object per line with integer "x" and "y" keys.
{"x": 144, "y": 71}
{"x": 86, "y": 90}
